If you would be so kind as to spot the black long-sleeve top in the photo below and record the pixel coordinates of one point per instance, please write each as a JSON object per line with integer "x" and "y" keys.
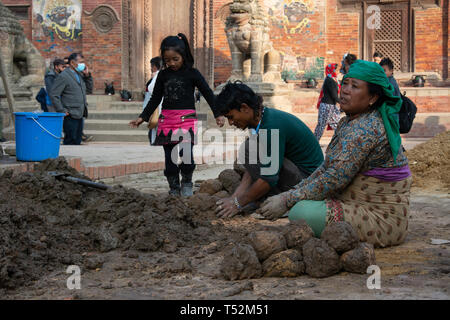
{"x": 177, "y": 89}
{"x": 330, "y": 91}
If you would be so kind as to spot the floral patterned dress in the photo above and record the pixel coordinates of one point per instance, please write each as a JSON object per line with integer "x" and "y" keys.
{"x": 378, "y": 210}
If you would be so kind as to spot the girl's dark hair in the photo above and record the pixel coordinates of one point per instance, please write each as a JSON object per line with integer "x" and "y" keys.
{"x": 180, "y": 44}
{"x": 234, "y": 94}
{"x": 375, "y": 89}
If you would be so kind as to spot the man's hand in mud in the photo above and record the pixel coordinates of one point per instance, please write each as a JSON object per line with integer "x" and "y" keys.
{"x": 226, "y": 208}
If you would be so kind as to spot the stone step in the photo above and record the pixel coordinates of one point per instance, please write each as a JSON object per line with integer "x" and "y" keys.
{"x": 19, "y": 104}
{"x": 123, "y": 115}
{"x": 124, "y": 105}
{"x": 30, "y": 108}
{"x": 19, "y": 95}
{"x": 113, "y": 115}
{"x": 110, "y": 125}
{"x": 118, "y": 135}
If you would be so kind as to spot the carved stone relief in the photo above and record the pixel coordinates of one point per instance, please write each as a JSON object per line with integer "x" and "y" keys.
{"x": 104, "y": 17}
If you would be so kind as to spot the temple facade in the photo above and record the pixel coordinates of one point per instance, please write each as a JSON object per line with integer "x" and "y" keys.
{"x": 119, "y": 37}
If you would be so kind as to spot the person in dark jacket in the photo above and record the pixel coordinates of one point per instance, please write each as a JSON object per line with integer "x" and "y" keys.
{"x": 58, "y": 67}
{"x": 68, "y": 95}
{"x": 329, "y": 113}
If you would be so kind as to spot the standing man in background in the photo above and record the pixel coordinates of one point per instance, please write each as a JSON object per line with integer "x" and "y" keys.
{"x": 68, "y": 95}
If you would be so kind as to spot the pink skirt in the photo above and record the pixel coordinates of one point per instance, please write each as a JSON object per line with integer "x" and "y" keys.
{"x": 175, "y": 126}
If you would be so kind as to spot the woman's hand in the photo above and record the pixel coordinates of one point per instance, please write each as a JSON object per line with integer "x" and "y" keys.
{"x": 274, "y": 207}
{"x": 226, "y": 208}
{"x": 220, "y": 121}
{"x": 136, "y": 123}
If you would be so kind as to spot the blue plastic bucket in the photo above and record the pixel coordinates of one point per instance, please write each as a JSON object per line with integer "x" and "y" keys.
{"x": 38, "y": 135}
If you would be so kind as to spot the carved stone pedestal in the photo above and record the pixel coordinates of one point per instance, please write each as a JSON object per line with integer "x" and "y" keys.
{"x": 275, "y": 95}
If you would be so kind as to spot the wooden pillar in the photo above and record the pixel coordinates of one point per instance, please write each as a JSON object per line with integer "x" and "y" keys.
{"x": 202, "y": 38}
{"x": 137, "y": 63}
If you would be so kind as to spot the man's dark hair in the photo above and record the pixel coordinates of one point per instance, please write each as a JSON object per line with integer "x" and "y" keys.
{"x": 58, "y": 62}
{"x": 157, "y": 62}
{"x": 387, "y": 62}
{"x": 377, "y": 54}
{"x": 350, "y": 58}
{"x": 74, "y": 56}
{"x": 234, "y": 94}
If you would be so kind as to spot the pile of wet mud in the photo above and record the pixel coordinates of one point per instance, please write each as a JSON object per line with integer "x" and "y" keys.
{"x": 429, "y": 162}
{"x": 46, "y": 222}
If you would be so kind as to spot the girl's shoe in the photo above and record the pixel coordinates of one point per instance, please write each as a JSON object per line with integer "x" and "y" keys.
{"x": 174, "y": 184}
{"x": 186, "y": 185}
{"x": 174, "y": 192}
{"x": 186, "y": 189}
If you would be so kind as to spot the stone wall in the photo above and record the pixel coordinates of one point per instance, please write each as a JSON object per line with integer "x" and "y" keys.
{"x": 101, "y": 48}
{"x": 430, "y": 35}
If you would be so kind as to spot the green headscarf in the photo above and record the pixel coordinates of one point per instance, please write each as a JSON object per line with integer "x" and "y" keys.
{"x": 372, "y": 72}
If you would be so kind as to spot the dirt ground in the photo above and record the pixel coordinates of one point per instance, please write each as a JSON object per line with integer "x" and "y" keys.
{"x": 173, "y": 249}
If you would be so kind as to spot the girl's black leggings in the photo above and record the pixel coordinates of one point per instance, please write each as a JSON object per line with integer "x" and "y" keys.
{"x": 185, "y": 151}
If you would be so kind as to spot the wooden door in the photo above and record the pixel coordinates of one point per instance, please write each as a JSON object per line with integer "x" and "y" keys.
{"x": 392, "y": 39}
{"x": 170, "y": 17}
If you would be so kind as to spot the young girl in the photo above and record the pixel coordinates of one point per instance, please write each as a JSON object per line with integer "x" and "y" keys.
{"x": 177, "y": 124}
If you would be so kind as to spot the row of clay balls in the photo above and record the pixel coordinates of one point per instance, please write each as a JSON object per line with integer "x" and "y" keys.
{"x": 293, "y": 250}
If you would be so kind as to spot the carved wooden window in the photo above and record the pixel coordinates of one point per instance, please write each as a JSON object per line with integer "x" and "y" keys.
{"x": 390, "y": 37}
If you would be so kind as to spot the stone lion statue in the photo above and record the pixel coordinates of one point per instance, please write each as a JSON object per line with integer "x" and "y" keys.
{"x": 247, "y": 30}
{"x": 24, "y": 64}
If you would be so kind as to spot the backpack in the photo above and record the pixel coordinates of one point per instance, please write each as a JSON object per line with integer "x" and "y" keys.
{"x": 125, "y": 95}
{"x": 406, "y": 114}
{"x": 109, "y": 88}
{"x": 42, "y": 98}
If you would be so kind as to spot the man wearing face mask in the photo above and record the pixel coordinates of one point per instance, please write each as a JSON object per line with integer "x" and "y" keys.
{"x": 68, "y": 96}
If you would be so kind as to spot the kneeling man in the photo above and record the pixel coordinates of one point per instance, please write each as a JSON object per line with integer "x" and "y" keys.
{"x": 280, "y": 152}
